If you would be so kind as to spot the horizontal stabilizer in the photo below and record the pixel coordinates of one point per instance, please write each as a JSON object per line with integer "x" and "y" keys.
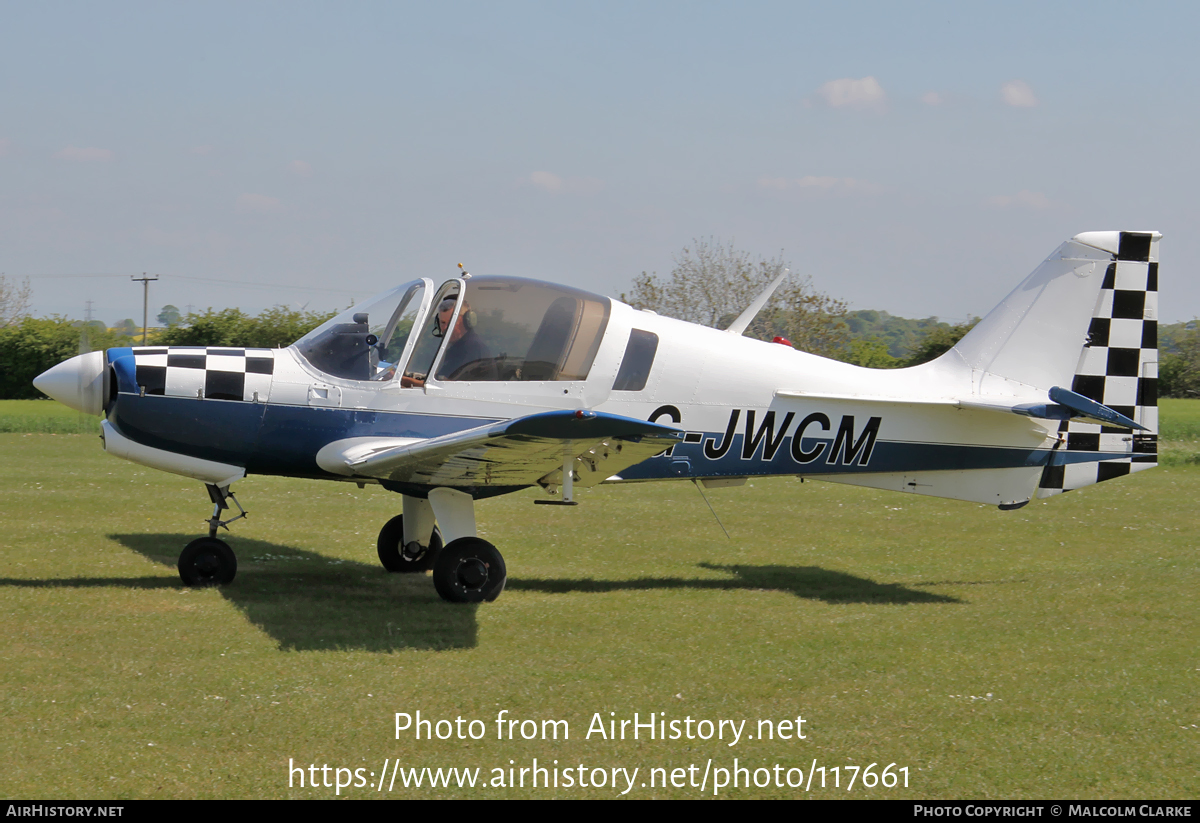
{"x": 1091, "y": 410}
{"x": 1065, "y": 406}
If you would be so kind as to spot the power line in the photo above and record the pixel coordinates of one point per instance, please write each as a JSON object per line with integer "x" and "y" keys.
{"x": 255, "y": 285}
{"x": 43, "y": 276}
{"x": 241, "y": 283}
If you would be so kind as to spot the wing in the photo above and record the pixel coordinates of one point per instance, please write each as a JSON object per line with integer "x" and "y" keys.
{"x": 520, "y": 452}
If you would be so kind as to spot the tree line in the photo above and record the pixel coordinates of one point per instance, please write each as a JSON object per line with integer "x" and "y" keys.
{"x": 711, "y": 283}
{"x": 30, "y": 345}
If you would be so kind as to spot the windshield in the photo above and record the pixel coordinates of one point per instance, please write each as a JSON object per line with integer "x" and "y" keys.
{"x": 365, "y": 342}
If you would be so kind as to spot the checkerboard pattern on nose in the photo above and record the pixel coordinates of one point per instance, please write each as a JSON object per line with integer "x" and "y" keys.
{"x": 1118, "y": 367}
{"x": 209, "y": 372}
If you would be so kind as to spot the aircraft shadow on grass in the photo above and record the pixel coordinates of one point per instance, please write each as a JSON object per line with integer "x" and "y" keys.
{"x": 310, "y": 602}
{"x": 811, "y": 582}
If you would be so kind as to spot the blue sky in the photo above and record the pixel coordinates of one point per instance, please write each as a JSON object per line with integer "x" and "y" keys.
{"x": 919, "y": 158}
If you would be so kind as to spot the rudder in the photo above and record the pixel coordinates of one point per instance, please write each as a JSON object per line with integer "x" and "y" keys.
{"x": 1118, "y": 368}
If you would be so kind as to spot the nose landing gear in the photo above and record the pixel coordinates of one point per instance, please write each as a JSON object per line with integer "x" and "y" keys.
{"x": 208, "y": 561}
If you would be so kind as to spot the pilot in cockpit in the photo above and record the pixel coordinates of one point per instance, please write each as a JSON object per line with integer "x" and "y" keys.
{"x": 467, "y": 356}
{"x": 465, "y": 350}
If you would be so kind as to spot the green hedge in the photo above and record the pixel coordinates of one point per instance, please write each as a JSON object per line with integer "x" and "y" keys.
{"x": 31, "y": 346}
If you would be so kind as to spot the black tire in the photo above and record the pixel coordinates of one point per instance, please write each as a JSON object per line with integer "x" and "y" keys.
{"x": 207, "y": 561}
{"x": 391, "y": 549}
{"x": 469, "y": 570}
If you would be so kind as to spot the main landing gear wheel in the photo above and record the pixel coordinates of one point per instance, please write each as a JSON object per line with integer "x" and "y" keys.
{"x": 469, "y": 570}
{"x": 207, "y": 561}
{"x": 396, "y": 557}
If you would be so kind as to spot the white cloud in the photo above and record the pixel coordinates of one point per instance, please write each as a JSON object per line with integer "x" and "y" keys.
{"x": 1025, "y": 199}
{"x": 826, "y": 183}
{"x": 87, "y": 155}
{"x": 841, "y": 185}
{"x": 548, "y": 181}
{"x": 256, "y": 204}
{"x": 300, "y": 168}
{"x": 1017, "y": 93}
{"x": 932, "y": 98}
{"x": 855, "y": 94}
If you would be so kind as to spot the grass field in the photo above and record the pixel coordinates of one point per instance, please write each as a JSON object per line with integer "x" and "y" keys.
{"x": 44, "y": 417}
{"x": 1179, "y": 427}
{"x": 1048, "y": 652}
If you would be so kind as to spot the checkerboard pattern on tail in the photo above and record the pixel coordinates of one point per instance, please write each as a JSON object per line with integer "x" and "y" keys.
{"x": 210, "y": 373}
{"x": 1118, "y": 367}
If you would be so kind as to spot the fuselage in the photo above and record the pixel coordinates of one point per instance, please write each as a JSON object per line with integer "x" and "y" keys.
{"x": 748, "y": 407}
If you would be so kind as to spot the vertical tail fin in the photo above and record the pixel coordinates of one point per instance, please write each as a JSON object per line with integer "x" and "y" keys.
{"x": 1087, "y": 318}
{"x": 1117, "y": 367}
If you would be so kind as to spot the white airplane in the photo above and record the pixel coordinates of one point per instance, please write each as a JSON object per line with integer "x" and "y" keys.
{"x": 479, "y": 386}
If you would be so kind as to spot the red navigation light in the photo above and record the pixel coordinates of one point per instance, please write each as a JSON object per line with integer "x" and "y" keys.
{"x": 782, "y": 340}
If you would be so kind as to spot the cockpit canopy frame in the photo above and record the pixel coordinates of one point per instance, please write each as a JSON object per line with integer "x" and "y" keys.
{"x": 487, "y": 329}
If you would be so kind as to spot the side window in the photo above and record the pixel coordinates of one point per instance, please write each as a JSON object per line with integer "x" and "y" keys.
{"x": 638, "y": 359}
{"x": 431, "y": 337}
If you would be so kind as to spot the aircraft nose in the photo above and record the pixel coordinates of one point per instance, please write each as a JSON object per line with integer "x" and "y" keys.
{"x": 78, "y": 382}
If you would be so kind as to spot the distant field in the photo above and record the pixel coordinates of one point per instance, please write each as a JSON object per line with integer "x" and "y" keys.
{"x": 1179, "y": 431}
{"x": 1049, "y": 652}
{"x": 44, "y": 417}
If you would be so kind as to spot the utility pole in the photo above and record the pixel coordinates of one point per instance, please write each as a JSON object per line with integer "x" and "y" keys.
{"x": 145, "y": 281}
{"x": 85, "y": 333}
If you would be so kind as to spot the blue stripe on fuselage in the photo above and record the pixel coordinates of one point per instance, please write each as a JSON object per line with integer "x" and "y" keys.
{"x": 886, "y": 457}
{"x": 284, "y": 440}
{"x": 265, "y": 438}
{"x": 219, "y": 430}
{"x": 291, "y": 436}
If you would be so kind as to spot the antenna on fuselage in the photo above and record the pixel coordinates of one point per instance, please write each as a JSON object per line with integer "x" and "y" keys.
{"x": 744, "y": 319}
{"x": 464, "y": 274}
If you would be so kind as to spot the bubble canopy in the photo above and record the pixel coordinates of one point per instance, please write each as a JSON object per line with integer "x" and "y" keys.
{"x": 480, "y": 329}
